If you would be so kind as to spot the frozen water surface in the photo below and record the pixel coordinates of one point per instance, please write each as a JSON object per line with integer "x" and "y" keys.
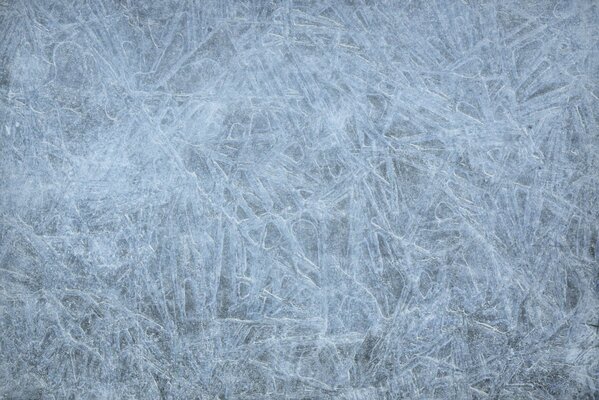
{"x": 299, "y": 199}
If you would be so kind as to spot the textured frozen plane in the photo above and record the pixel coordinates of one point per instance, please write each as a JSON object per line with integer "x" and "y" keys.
{"x": 299, "y": 199}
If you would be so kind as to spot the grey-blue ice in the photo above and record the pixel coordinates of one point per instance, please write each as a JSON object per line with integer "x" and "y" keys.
{"x": 298, "y": 199}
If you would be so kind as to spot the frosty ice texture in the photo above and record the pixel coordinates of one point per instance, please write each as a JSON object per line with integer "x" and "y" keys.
{"x": 299, "y": 199}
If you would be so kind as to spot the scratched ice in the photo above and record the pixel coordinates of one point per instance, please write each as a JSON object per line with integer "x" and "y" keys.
{"x": 299, "y": 199}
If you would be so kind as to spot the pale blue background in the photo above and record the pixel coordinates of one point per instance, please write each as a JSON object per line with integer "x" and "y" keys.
{"x": 299, "y": 199}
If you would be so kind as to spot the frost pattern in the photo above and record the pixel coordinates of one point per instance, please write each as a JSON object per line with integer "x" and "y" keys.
{"x": 299, "y": 199}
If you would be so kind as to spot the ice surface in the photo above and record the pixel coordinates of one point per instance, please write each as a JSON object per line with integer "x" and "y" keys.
{"x": 299, "y": 199}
